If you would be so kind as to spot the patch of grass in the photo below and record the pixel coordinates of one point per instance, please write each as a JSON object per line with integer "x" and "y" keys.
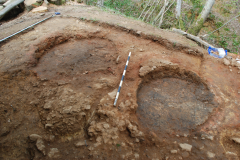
{"x": 234, "y": 35}
{"x": 118, "y": 145}
{"x": 219, "y": 24}
{"x": 93, "y": 19}
{"x": 236, "y": 44}
{"x": 227, "y": 29}
{"x": 212, "y": 36}
{"x": 223, "y": 42}
{"x": 174, "y": 44}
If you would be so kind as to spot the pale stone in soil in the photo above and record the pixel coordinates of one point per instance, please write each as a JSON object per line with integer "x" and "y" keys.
{"x": 34, "y": 137}
{"x": 54, "y": 153}
{"x": 40, "y": 9}
{"x": 186, "y": 147}
{"x": 210, "y": 154}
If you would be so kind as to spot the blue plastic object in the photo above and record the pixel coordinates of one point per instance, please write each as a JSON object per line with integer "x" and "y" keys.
{"x": 219, "y": 50}
{"x": 57, "y": 13}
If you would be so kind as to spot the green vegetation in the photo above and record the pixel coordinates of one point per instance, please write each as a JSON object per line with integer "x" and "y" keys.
{"x": 225, "y": 37}
{"x": 127, "y": 7}
{"x": 223, "y": 42}
{"x": 118, "y": 145}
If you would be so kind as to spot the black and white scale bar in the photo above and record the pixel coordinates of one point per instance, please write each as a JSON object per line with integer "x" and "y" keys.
{"x": 120, "y": 85}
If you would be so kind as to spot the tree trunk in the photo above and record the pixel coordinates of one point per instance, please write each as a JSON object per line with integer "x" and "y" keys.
{"x": 178, "y": 8}
{"x": 161, "y": 12}
{"x": 9, "y": 7}
{"x": 161, "y": 19}
{"x": 144, "y": 9}
{"x": 198, "y": 23}
{"x": 100, "y": 3}
{"x": 85, "y": 1}
{"x": 192, "y": 37}
{"x": 2, "y": 1}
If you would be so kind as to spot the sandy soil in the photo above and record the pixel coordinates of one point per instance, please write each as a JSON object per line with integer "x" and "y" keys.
{"x": 59, "y": 80}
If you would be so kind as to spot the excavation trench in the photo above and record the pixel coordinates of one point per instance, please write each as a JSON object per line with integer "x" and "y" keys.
{"x": 68, "y": 82}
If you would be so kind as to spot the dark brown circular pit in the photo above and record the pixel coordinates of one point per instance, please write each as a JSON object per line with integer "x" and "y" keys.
{"x": 173, "y": 105}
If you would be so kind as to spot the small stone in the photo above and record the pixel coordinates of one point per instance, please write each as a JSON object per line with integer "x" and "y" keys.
{"x": 139, "y": 32}
{"x": 34, "y": 137}
{"x": 137, "y": 140}
{"x": 86, "y": 72}
{"x": 136, "y": 155}
{"x": 185, "y": 135}
{"x": 230, "y": 70}
{"x": 40, "y": 9}
{"x": 40, "y": 146}
{"x": 117, "y": 60}
{"x": 79, "y": 144}
{"x": 210, "y": 137}
{"x": 48, "y": 125}
{"x": 237, "y": 140}
{"x": 67, "y": 110}
{"x": 195, "y": 137}
{"x": 141, "y": 50}
{"x": 173, "y": 151}
{"x": 201, "y": 148}
{"x": 54, "y": 153}
{"x": 87, "y": 107}
{"x": 115, "y": 137}
{"x": 210, "y": 154}
{"x": 51, "y": 138}
{"x": 48, "y": 105}
{"x": 185, "y": 154}
{"x": 122, "y": 106}
{"x": 90, "y": 148}
{"x": 127, "y": 103}
{"x": 129, "y": 95}
{"x": 154, "y": 67}
{"x": 96, "y": 144}
{"x": 144, "y": 70}
{"x": 99, "y": 139}
{"x": 123, "y": 144}
{"x": 130, "y": 144}
{"x": 186, "y": 147}
{"x": 106, "y": 126}
{"x": 226, "y": 62}
{"x": 113, "y": 94}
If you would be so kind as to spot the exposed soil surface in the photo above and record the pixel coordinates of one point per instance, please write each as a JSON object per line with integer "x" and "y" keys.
{"x": 59, "y": 80}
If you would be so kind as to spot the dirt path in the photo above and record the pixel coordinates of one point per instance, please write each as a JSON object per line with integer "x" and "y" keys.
{"x": 59, "y": 80}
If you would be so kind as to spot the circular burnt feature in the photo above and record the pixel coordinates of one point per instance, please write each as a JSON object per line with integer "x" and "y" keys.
{"x": 75, "y": 58}
{"x": 173, "y": 105}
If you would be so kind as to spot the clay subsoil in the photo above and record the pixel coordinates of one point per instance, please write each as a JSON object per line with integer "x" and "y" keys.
{"x": 59, "y": 79}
